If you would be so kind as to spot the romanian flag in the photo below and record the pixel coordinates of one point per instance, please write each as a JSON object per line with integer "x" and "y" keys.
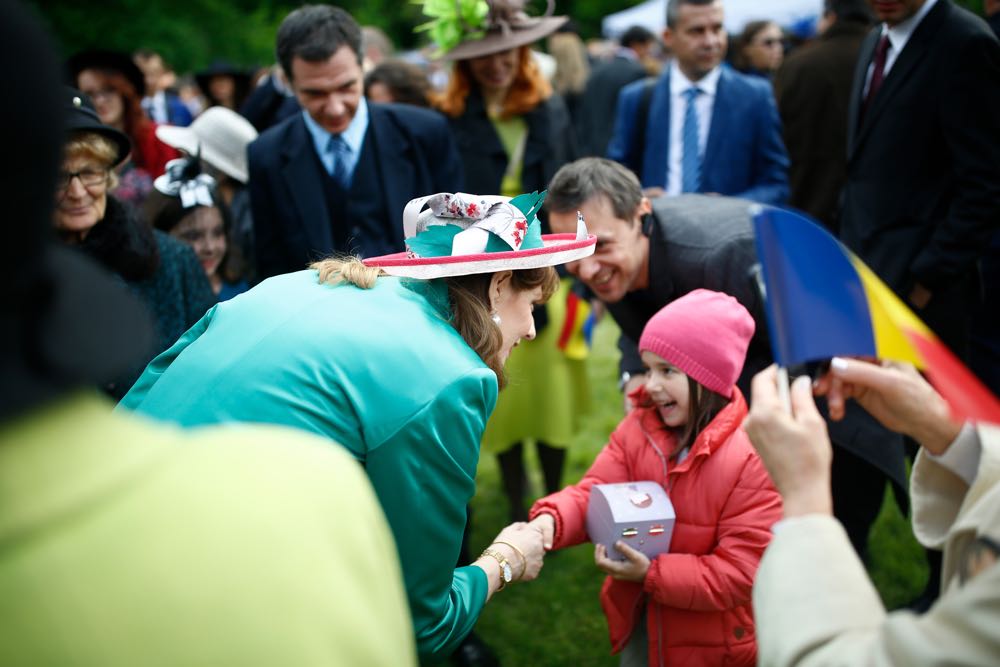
{"x": 822, "y": 301}
{"x": 577, "y": 328}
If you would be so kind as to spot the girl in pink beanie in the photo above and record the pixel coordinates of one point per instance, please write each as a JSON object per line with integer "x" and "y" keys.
{"x": 690, "y": 606}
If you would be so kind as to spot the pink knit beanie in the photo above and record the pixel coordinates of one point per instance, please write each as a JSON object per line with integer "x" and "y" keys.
{"x": 703, "y": 333}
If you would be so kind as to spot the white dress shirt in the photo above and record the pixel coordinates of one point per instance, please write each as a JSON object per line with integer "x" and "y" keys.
{"x": 899, "y": 35}
{"x": 678, "y": 105}
{"x": 156, "y": 107}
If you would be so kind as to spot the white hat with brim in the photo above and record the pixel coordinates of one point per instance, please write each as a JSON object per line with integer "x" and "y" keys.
{"x": 219, "y": 136}
{"x": 500, "y": 234}
{"x": 557, "y": 249}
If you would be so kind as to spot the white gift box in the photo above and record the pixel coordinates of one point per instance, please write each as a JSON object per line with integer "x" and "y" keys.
{"x": 638, "y": 513}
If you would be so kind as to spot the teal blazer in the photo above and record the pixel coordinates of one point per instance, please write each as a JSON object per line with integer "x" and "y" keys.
{"x": 379, "y": 371}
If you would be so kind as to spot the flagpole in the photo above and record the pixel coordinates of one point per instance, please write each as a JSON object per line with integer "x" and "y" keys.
{"x": 758, "y": 276}
{"x": 783, "y": 391}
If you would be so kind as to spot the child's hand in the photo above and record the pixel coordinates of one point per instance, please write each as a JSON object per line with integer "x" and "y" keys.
{"x": 634, "y": 568}
{"x": 546, "y": 524}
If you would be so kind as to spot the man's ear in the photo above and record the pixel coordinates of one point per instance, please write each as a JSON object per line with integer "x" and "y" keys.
{"x": 642, "y": 214}
{"x": 499, "y": 286}
{"x": 645, "y": 206}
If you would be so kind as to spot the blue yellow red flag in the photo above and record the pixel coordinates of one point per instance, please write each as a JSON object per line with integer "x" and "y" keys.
{"x": 823, "y": 301}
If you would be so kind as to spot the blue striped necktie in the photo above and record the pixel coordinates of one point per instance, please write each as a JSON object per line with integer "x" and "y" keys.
{"x": 341, "y": 153}
{"x": 690, "y": 154}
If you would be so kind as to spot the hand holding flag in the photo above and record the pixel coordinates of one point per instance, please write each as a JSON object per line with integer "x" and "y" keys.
{"x": 822, "y": 301}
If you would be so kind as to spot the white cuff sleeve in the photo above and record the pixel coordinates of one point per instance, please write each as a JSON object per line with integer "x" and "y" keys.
{"x": 962, "y": 456}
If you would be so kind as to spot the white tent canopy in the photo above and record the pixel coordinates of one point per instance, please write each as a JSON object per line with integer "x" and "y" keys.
{"x": 796, "y": 16}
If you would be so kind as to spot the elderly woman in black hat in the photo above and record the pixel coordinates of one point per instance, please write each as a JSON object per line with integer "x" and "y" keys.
{"x": 163, "y": 271}
{"x": 513, "y": 134}
{"x": 115, "y": 86}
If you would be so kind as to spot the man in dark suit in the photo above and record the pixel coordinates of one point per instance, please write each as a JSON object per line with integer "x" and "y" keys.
{"x": 652, "y": 252}
{"x": 702, "y": 127}
{"x": 813, "y": 88}
{"x": 597, "y": 113}
{"x": 336, "y": 177}
{"x": 922, "y": 197}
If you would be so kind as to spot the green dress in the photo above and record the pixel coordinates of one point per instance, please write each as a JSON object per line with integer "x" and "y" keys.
{"x": 379, "y": 371}
{"x": 547, "y": 391}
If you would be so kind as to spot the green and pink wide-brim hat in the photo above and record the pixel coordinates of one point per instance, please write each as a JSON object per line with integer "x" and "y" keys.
{"x": 458, "y": 234}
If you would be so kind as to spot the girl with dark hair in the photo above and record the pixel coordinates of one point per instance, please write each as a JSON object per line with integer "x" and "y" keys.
{"x": 690, "y": 605}
{"x": 187, "y": 205}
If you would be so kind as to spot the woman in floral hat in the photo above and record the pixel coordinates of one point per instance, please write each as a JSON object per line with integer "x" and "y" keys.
{"x": 398, "y": 359}
{"x": 513, "y": 134}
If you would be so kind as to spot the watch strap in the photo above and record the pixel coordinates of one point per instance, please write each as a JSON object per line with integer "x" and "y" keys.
{"x": 504, "y": 565}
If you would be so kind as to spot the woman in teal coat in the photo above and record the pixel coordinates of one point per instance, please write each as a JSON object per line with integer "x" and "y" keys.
{"x": 399, "y": 360}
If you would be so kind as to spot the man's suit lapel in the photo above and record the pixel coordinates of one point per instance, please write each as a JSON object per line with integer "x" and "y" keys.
{"x": 912, "y": 54}
{"x": 395, "y": 167}
{"x": 860, "y": 71}
{"x": 654, "y": 164}
{"x": 719, "y": 124}
{"x": 304, "y": 182}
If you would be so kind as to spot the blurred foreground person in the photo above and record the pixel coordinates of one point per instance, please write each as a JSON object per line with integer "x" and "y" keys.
{"x": 813, "y": 601}
{"x": 131, "y": 543}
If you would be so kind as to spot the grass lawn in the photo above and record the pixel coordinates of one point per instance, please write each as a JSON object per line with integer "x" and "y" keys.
{"x": 557, "y": 619}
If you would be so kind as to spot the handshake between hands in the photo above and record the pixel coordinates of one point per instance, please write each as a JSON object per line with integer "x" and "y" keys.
{"x": 524, "y": 545}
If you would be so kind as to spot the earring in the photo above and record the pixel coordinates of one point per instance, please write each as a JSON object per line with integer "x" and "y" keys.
{"x": 495, "y": 316}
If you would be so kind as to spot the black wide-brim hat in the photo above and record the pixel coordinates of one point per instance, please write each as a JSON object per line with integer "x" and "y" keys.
{"x": 222, "y": 68}
{"x": 81, "y": 117}
{"x": 100, "y": 59}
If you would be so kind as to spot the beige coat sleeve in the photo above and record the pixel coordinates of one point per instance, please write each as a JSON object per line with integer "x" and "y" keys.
{"x": 815, "y": 605}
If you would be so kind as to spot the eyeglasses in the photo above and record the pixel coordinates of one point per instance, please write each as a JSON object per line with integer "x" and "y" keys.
{"x": 89, "y": 178}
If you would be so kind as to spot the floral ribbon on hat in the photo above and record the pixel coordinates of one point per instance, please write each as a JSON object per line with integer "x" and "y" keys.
{"x": 183, "y": 179}
{"x": 463, "y": 224}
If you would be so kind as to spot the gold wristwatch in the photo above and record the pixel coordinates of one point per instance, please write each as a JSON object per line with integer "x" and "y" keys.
{"x": 506, "y": 574}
